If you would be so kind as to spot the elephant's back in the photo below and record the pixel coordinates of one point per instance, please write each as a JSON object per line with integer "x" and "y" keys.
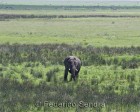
{"x": 72, "y": 58}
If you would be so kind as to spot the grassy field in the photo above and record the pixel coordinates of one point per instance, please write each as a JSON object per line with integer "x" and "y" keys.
{"x": 34, "y": 41}
{"x": 85, "y": 31}
{"x": 71, "y": 11}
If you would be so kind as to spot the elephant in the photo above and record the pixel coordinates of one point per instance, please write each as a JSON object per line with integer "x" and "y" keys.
{"x": 72, "y": 65}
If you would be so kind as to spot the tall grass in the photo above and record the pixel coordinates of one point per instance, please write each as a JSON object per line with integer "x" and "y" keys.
{"x": 55, "y": 54}
{"x": 28, "y": 97}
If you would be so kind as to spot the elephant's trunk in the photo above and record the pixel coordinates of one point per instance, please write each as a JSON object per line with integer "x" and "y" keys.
{"x": 73, "y": 72}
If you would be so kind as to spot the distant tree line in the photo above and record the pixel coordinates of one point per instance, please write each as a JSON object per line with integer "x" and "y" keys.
{"x": 14, "y": 16}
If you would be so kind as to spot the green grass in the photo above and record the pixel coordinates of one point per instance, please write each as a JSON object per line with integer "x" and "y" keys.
{"x": 74, "y": 12}
{"x": 85, "y": 31}
{"x": 27, "y": 84}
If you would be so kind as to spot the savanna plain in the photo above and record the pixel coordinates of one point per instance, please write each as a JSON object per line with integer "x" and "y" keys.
{"x": 34, "y": 41}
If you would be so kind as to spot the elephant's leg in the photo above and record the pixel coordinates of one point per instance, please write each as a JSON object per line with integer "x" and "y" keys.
{"x": 65, "y": 74}
{"x": 74, "y": 78}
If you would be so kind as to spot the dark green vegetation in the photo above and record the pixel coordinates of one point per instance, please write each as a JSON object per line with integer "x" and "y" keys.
{"x": 55, "y": 53}
{"x": 34, "y": 41}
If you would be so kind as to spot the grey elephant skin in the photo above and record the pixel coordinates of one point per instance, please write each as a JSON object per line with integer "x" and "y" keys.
{"x": 72, "y": 65}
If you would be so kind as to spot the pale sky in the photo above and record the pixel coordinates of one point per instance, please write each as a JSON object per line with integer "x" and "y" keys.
{"x": 55, "y": 1}
{"x": 59, "y": 0}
